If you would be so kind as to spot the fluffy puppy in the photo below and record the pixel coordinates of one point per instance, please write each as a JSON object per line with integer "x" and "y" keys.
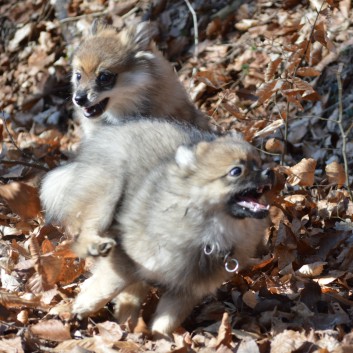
{"x": 120, "y": 75}
{"x": 185, "y": 208}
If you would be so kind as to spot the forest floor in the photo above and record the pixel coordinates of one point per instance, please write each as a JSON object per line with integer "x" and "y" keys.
{"x": 281, "y": 73}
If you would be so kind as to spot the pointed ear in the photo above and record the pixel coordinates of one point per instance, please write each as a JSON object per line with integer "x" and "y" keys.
{"x": 202, "y": 148}
{"x": 185, "y": 158}
{"x": 97, "y": 26}
{"x": 235, "y": 135}
{"x": 144, "y": 34}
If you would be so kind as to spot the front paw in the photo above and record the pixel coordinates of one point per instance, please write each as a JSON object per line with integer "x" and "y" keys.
{"x": 101, "y": 247}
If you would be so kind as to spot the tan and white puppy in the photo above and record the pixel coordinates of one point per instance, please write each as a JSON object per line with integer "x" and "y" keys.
{"x": 120, "y": 75}
{"x": 183, "y": 206}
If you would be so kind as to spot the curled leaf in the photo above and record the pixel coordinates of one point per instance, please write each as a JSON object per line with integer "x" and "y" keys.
{"x": 22, "y": 198}
{"x": 308, "y": 71}
{"x": 335, "y": 174}
{"x": 274, "y": 146}
{"x": 311, "y": 270}
{"x": 303, "y": 173}
{"x": 271, "y": 69}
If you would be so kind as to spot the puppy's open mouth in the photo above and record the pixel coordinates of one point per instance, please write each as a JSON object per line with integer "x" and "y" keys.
{"x": 249, "y": 203}
{"x": 95, "y": 110}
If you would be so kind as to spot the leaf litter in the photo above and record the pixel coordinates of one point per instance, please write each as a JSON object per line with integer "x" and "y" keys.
{"x": 266, "y": 69}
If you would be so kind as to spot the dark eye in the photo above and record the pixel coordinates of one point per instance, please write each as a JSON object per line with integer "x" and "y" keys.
{"x": 105, "y": 78}
{"x": 78, "y": 76}
{"x": 236, "y": 171}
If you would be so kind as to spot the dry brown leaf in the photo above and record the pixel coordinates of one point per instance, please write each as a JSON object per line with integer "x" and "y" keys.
{"x": 111, "y": 331}
{"x": 270, "y": 128}
{"x": 271, "y": 69}
{"x": 311, "y": 270}
{"x": 234, "y": 110}
{"x": 248, "y": 346}
{"x": 22, "y": 198}
{"x": 303, "y": 173}
{"x": 211, "y": 78}
{"x": 47, "y": 246}
{"x": 214, "y": 27}
{"x": 246, "y": 23}
{"x": 266, "y": 91}
{"x": 302, "y": 85}
{"x": 287, "y": 341}
{"x": 12, "y": 300}
{"x": 225, "y": 332}
{"x": 71, "y": 269}
{"x": 64, "y": 249}
{"x": 67, "y": 346}
{"x": 308, "y": 71}
{"x": 34, "y": 250}
{"x": 52, "y": 268}
{"x": 37, "y": 284}
{"x": 63, "y": 310}
{"x": 335, "y": 174}
{"x": 250, "y": 298}
{"x": 327, "y": 209}
{"x": 311, "y": 96}
{"x": 274, "y": 146}
{"x": 22, "y": 317}
{"x": 52, "y": 330}
{"x": 11, "y": 345}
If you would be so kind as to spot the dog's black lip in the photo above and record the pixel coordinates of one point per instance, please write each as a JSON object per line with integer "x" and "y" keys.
{"x": 96, "y": 110}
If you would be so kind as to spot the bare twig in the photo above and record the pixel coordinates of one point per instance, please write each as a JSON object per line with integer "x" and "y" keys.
{"x": 344, "y": 134}
{"x": 196, "y": 29}
{"x": 310, "y": 37}
{"x": 27, "y": 164}
{"x": 76, "y": 18}
{"x": 294, "y": 75}
{"x": 12, "y": 139}
{"x": 196, "y": 39}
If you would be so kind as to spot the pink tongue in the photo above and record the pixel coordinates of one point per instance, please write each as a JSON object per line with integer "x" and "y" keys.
{"x": 252, "y": 204}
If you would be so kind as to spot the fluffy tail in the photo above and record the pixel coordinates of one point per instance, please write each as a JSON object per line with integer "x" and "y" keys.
{"x": 56, "y": 191}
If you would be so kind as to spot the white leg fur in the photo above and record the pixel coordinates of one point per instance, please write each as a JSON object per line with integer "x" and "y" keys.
{"x": 99, "y": 289}
{"x": 128, "y": 303}
{"x": 171, "y": 311}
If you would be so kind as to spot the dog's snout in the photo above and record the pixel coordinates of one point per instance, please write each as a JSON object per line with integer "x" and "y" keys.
{"x": 268, "y": 174}
{"x": 81, "y": 98}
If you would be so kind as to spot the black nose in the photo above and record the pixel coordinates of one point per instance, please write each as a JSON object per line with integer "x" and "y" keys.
{"x": 81, "y": 99}
{"x": 267, "y": 173}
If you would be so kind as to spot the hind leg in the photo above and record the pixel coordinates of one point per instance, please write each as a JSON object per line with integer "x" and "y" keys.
{"x": 172, "y": 310}
{"x": 128, "y": 303}
{"x": 111, "y": 275}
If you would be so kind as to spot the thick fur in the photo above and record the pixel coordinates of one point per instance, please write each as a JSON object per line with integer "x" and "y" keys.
{"x": 164, "y": 191}
{"x": 143, "y": 82}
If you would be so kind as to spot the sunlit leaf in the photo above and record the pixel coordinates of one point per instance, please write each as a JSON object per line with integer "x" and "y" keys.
{"x": 335, "y": 173}
{"x": 303, "y": 173}
{"x": 308, "y": 71}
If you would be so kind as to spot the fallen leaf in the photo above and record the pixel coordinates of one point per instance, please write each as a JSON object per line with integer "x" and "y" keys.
{"x": 335, "y": 174}
{"x": 225, "y": 332}
{"x": 271, "y": 69}
{"x": 251, "y": 299}
{"x": 311, "y": 270}
{"x": 22, "y": 198}
{"x": 52, "y": 330}
{"x": 270, "y": 128}
{"x": 308, "y": 71}
{"x": 274, "y": 146}
{"x": 11, "y": 345}
{"x": 111, "y": 331}
{"x": 303, "y": 173}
